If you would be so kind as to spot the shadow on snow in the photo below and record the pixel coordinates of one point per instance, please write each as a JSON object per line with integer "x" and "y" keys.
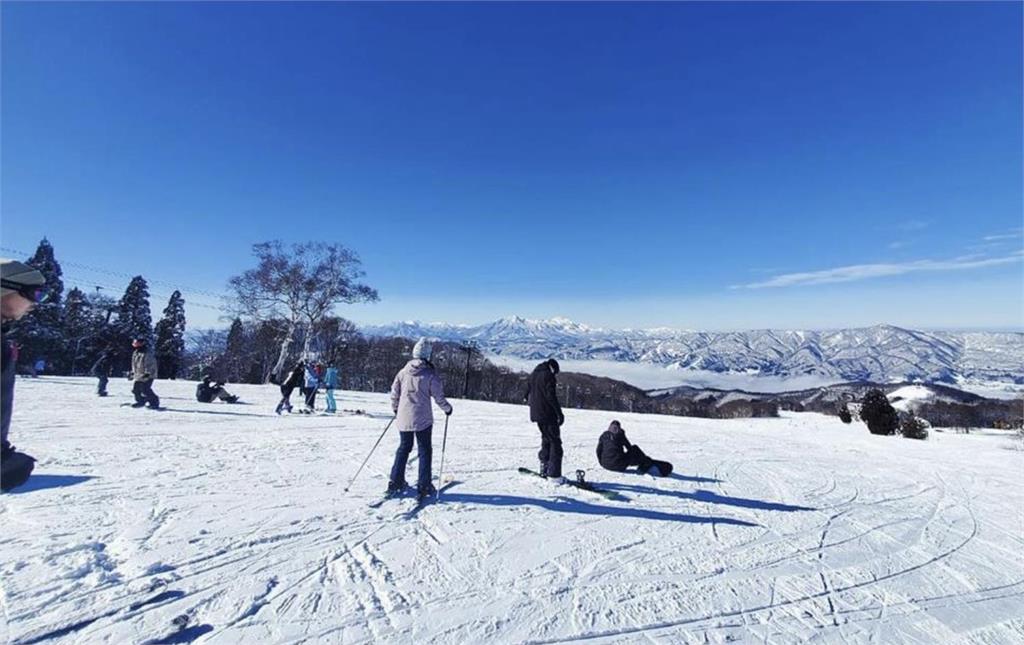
{"x": 42, "y": 482}
{"x": 566, "y": 505}
{"x": 709, "y": 497}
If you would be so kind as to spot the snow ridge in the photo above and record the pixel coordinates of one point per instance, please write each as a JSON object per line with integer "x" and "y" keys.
{"x": 882, "y": 353}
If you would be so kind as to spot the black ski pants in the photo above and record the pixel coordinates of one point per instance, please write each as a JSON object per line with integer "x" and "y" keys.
{"x": 143, "y": 391}
{"x": 632, "y": 457}
{"x": 550, "y": 454}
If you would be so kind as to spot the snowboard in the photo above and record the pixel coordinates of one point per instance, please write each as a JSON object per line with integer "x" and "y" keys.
{"x": 580, "y": 484}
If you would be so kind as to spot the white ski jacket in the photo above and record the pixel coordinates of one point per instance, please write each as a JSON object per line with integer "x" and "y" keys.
{"x": 414, "y": 386}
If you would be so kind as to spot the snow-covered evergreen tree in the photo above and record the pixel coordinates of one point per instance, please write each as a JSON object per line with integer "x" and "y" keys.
{"x": 39, "y": 333}
{"x": 235, "y": 353}
{"x": 82, "y": 329}
{"x": 134, "y": 320}
{"x": 170, "y": 337}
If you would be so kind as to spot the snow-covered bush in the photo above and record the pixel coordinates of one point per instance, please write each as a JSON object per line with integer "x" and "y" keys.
{"x": 844, "y": 414}
{"x": 914, "y": 427}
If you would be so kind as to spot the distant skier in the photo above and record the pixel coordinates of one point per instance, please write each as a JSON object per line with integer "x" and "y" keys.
{"x": 293, "y": 380}
{"x": 546, "y": 412}
{"x": 38, "y": 368}
{"x": 20, "y": 289}
{"x": 101, "y": 370}
{"x": 143, "y": 374}
{"x": 331, "y": 381}
{"x": 311, "y": 385}
{"x": 411, "y": 392}
{"x": 208, "y": 390}
{"x": 614, "y": 452}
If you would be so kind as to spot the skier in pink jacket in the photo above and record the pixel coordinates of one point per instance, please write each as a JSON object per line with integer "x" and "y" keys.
{"x": 415, "y": 385}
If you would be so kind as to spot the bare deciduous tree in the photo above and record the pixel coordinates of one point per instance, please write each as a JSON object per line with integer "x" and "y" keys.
{"x": 301, "y": 285}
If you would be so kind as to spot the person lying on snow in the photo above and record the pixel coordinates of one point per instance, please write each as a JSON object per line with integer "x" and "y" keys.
{"x": 614, "y": 452}
{"x": 207, "y": 391}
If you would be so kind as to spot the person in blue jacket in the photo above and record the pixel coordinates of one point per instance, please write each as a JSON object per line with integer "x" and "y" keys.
{"x": 331, "y": 381}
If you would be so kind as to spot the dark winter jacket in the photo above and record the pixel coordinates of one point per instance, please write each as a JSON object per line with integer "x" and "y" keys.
{"x": 6, "y": 391}
{"x": 205, "y": 392}
{"x": 612, "y": 447}
{"x": 296, "y": 377}
{"x": 542, "y": 396}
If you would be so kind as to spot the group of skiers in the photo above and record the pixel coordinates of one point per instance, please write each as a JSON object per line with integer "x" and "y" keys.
{"x": 413, "y": 389}
{"x": 418, "y": 382}
{"x": 309, "y": 376}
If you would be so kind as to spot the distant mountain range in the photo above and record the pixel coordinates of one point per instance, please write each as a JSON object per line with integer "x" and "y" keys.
{"x": 882, "y": 353}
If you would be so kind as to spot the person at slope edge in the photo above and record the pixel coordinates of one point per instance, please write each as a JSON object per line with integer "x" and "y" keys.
{"x": 545, "y": 411}
{"x": 411, "y": 392}
{"x": 21, "y": 287}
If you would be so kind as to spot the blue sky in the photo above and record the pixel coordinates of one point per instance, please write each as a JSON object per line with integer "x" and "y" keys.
{"x": 720, "y": 166}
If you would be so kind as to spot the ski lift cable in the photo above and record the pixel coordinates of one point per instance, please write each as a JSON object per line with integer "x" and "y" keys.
{"x": 119, "y": 274}
{"x": 188, "y": 302}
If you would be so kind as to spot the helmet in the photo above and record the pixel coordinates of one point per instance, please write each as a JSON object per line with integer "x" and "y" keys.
{"x": 18, "y": 277}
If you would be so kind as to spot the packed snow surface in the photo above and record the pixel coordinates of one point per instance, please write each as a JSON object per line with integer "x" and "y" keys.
{"x": 213, "y": 523}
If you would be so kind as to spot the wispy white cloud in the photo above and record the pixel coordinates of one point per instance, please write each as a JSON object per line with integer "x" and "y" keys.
{"x": 1002, "y": 236}
{"x": 857, "y": 272}
{"x": 898, "y": 245}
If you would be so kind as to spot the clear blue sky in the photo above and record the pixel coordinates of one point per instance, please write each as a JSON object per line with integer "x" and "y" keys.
{"x": 691, "y": 165}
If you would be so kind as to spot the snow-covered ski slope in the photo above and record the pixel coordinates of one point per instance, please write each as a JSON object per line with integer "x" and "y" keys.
{"x": 227, "y": 524}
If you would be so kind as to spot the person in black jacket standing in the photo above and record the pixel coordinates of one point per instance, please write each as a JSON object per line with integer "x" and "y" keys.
{"x": 547, "y": 414}
{"x": 295, "y": 378}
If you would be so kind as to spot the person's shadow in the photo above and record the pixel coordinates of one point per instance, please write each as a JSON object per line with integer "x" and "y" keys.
{"x": 43, "y": 482}
{"x": 709, "y": 497}
{"x": 567, "y": 505}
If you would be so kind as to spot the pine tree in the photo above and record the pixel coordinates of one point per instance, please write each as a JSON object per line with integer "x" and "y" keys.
{"x": 234, "y": 355}
{"x": 39, "y": 333}
{"x": 844, "y": 413}
{"x": 81, "y": 329}
{"x": 134, "y": 320}
{"x": 878, "y": 413}
{"x": 170, "y": 337}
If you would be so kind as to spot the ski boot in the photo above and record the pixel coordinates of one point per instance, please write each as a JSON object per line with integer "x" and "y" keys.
{"x": 138, "y": 405}
{"x": 395, "y": 489}
{"x": 425, "y": 492}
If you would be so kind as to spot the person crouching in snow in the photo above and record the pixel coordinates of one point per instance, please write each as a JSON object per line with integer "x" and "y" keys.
{"x": 411, "y": 392}
{"x": 614, "y": 452}
{"x": 208, "y": 390}
{"x": 143, "y": 373}
{"x": 331, "y": 381}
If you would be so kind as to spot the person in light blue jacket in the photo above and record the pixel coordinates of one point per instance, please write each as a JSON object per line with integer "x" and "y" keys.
{"x": 331, "y": 381}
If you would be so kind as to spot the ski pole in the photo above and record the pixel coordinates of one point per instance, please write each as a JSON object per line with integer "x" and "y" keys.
{"x": 371, "y": 453}
{"x": 444, "y": 442}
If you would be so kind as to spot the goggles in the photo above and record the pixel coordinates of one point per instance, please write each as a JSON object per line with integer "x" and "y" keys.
{"x": 33, "y": 292}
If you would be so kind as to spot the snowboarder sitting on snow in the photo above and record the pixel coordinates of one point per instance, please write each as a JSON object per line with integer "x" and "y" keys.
{"x": 143, "y": 374}
{"x": 614, "y": 452}
{"x": 546, "y": 412}
{"x": 21, "y": 289}
{"x": 208, "y": 390}
{"x": 292, "y": 381}
{"x": 411, "y": 392}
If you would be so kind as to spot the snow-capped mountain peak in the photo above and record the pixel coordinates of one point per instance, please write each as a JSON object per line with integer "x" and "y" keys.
{"x": 882, "y": 353}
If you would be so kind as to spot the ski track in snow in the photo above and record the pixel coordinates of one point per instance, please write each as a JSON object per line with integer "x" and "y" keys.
{"x": 227, "y": 524}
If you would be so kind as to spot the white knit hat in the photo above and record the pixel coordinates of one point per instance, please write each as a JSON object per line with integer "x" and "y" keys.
{"x": 423, "y": 349}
